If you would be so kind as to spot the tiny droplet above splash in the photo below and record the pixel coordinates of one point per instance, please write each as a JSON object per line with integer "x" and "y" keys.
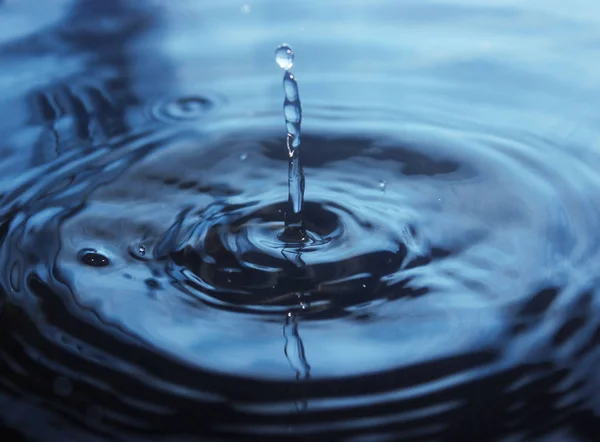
{"x": 284, "y": 57}
{"x": 382, "y": 185}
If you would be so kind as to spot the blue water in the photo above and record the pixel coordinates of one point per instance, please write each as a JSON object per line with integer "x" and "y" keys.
{"x": 448, "y": 289}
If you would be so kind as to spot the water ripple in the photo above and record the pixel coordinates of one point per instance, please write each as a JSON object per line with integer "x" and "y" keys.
{"x": 448, "y": 287}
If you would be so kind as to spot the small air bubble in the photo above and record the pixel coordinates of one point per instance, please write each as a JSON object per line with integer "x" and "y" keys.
{"x": 284, "y": 57}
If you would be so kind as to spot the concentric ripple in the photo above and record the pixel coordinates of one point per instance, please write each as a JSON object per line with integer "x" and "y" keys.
{"x": 192, "y": 107}
{"x": 203, "y": 271}
{"x": 447, "y": 289}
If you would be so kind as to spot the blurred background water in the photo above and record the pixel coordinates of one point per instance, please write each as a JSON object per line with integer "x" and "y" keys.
{"x": 451, "y": 151}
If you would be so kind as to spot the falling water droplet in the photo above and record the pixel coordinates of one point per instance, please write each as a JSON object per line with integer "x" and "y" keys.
{"x": 284, "y": 56}
{"x": 382, "y": 185}
{"x": 142, "y": 250}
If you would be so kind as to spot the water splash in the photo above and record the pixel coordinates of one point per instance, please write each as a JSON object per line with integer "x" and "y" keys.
{"x": 292, "y": 110}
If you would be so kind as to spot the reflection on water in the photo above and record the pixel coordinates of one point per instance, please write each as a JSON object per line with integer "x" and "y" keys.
{"x": 448, "y": 290}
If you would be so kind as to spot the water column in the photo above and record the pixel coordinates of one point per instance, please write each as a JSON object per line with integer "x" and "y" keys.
{"x": 292, "y": 110}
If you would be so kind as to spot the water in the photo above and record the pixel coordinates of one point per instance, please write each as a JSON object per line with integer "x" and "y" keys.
{"x": 284, "y": 57}
{"x": 292, "y": 111}
{"x": 147, "y": 294}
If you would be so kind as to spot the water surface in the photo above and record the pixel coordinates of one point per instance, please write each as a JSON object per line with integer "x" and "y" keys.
{"x": 449, "y": 290}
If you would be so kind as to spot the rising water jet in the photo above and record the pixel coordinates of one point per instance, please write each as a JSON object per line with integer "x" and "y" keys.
{"x": 292, "y": 109}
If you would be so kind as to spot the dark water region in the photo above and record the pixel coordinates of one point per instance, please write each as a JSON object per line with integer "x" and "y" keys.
{"x": 449, "y": 290}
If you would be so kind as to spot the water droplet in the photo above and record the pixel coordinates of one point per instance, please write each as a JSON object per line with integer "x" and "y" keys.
{"x": 284, "y": 57}
{"x": 93, "y": 258}
{"x": 139, "y": 251}
{"x": 382, "y": 185}
{"x": 246, "y": 9}
{"x": 243, "y": 156}
{"x": 62, "y": 387}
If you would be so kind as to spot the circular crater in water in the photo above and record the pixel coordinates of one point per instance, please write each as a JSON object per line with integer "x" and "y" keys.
{"x": 239, "y": 257}
{"x": 91, "y": 257}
